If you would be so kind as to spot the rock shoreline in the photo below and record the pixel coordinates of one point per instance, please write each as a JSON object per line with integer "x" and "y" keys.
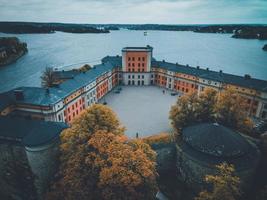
{"x": 11, "y": 49}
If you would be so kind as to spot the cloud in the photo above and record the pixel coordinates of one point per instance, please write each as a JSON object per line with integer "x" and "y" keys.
{"x": 135, "y": 11}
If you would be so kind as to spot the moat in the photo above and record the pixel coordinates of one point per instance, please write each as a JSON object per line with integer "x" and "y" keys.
{"x": 143, "y": 110}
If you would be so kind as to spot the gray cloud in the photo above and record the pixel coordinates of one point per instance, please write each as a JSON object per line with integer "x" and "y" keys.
{"x": 135, "y": 11}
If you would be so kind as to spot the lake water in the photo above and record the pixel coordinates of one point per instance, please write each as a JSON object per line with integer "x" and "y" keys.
{"x": 216, "y": 51}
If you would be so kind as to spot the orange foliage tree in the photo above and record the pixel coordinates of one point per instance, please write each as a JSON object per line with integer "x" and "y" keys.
{"x": 98, "y": 162}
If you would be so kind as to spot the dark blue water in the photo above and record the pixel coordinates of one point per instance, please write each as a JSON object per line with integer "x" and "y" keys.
{"x": 216, "y": 51}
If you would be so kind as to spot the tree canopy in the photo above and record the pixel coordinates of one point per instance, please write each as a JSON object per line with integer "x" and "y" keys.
{"x": 226, "y": 108}
{"x": 48, "y": 77}
{"x": 99, "y": 162}
{"x": 225, "y": 185}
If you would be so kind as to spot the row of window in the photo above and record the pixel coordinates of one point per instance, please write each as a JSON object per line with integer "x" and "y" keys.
{"x": 133, "y": 69}
{"x": 139, "y": 58}
{"x": 133, "y": 64}
{"x": 74, "y": 113}
{"x": 138, "y": 82}
{"x": 133, "y": 76}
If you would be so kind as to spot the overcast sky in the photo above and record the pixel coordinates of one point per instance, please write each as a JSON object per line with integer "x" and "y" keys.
{"x": 135, "y": 11}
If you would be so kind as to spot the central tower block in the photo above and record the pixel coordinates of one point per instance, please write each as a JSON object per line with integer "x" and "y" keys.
{"x": 136, "y": 65}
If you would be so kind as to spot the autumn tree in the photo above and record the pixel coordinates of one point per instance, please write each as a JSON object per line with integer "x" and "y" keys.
{"x": 192, "y": 108}
{"x": 230, "y": 111}
{"x": 226, "y": 108}
{"x": 225, "y": 185}
{"x": 48, "y": 77}
{"x": 206, "y": 105}
{"x": 184, "y": 111}
{"x": 98, "y": 162}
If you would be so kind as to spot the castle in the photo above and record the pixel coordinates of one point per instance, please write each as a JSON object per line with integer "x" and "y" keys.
{"x": 24, "y": 109}
{"x": 136, "y": 67}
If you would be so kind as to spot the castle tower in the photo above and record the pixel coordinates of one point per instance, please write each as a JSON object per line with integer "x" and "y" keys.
{"x": 136, "y": 65}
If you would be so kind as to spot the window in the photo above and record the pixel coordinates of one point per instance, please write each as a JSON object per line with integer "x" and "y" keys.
{"x": 129, "y": 58}
{"x": 138, "y": 76}
{"x": 132, "y": 76}
{"x": 143, "y": 83}
{"x": 59, "y": 118}
{"x": 129, "y": 76}
{"x": 139, "y": 65}
{"x": 129, "y": 64}
{"x": 143, "y": 76}
{"x": 139, "y": 58}
{"x": 133, "y": 58}
{"x": 143, "y": 64}
{"x": 129, "y": 82}
{"x": 133, "y": 83}
{"x": 143, "y": 58}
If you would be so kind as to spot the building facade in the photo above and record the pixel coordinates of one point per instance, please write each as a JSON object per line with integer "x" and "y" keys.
{"x": 136, "y": 67}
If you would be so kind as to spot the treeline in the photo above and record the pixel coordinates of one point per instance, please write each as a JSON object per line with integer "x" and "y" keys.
{"x": 13, "y": 49}
{"x": 31, "y": 27}
{"x": 238, "y": 31}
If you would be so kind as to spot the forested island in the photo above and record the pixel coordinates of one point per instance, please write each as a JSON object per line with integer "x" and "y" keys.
{"x": 238, "y": 31}
{"x": 11, "y": 49}
{"x": 32, "y": 27}
{"x": 244, "y": 31}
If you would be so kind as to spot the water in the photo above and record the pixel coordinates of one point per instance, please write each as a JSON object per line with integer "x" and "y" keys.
{"x": 216, "y": 51}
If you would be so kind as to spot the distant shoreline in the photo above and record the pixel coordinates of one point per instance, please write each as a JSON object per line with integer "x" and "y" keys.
{"x": 11, "y": 50}
{"x": 242, "y": 31}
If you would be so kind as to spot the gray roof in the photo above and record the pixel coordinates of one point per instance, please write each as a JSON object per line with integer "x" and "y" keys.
{"x": 215, "y": 140}
{"x": 147, "y": 48}
{"x": 29, "y": 132}
{"x": 45, "y": 97}
{"x": 208, "y": 146}
{"x": 257, "y": 84}
{"x": 66, "y": 74}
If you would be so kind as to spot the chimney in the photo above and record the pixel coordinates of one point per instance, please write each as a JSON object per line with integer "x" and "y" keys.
{"x": 19, "y": 95}
{"x": 198, "y": 67}
{"x": 163, "y": 60}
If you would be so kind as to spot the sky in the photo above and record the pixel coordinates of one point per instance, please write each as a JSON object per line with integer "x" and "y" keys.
{"x": 136, "y": 11}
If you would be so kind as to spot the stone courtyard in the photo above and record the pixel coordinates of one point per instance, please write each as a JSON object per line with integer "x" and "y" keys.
{"x": 143, "y": 110}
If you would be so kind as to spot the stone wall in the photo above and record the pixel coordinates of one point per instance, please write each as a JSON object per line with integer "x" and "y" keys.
{"x": 16, "y": 178}
{"x": 43, "y": 161}
{"x": 193, "y": 171}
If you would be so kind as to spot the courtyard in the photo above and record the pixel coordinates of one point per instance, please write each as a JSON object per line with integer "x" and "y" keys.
{"x": 143, "y": 110}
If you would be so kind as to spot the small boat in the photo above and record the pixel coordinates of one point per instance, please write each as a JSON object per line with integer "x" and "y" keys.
{"x": 174, "y": 93}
